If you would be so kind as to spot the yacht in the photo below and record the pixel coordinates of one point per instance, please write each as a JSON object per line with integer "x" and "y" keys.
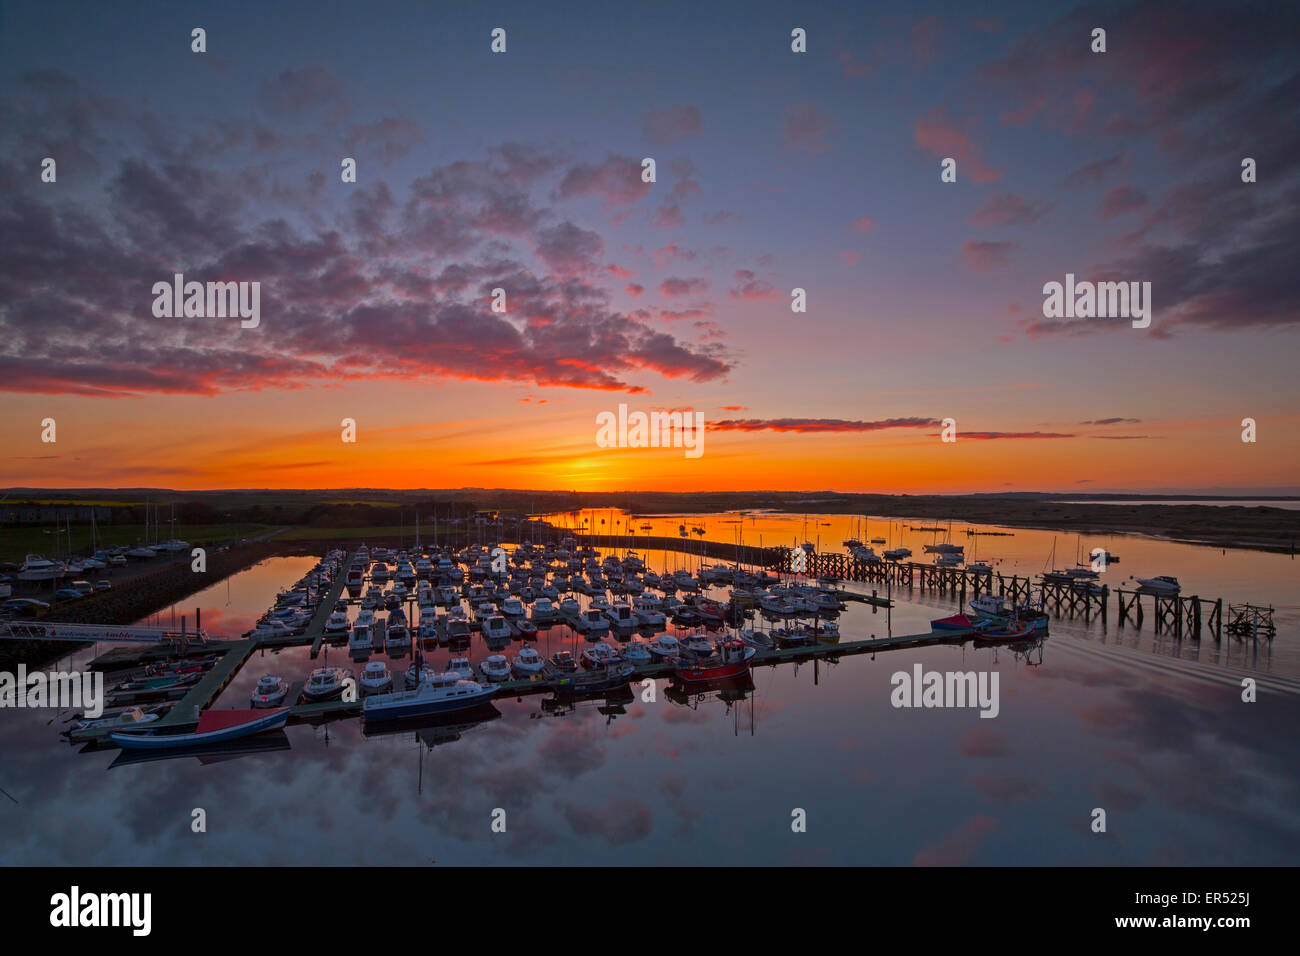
{"x": 448, "y": 692}
{"x": 38, "y": 568}
{"x": 528, "y": 662}
{"x": 376, "y": 678}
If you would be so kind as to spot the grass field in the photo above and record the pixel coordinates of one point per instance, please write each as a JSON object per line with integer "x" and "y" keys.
{"x": 17, "y": 543}
{"x": 354, "y": 534}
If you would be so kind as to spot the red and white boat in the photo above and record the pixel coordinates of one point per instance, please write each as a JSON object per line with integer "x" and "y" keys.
{"x": 730, "y": 659}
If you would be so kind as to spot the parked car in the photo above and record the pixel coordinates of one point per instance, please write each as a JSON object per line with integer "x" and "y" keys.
{"x": 82, "y": 587}
{"x": 67, "y": 594}
{"x": 103, "y": 585}
{"x": 23, "y": 605}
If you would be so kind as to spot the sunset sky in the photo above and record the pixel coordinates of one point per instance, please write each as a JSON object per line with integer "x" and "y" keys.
{"x": 775, "y": 170}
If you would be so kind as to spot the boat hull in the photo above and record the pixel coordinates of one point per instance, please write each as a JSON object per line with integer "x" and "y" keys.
{"x": 411, "y": 704}
{"x": 147, "y": 741}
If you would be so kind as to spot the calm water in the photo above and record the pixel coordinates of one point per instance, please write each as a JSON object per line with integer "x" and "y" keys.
{"x": 1151, "y": 730}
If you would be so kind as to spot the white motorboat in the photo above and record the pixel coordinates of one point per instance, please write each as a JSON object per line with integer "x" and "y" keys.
{"x": 528, "y": 662}
{"x": 130, "y": 717}
{"x": 544, "y": 611}
{"x": 496, "y": 628}
{"x": 495, "y": 667}
{"x": 35, "y": 567}
{"x": 591, "y": 621}
{"x": 269, "y": 692}
{"x": 621, "y": 615}
{"x": 360, "y": 640}
{"x": 990, "y": 605}
{"x": 1163, "y": 584}
{"x": 756, "y": 639}
{"x": 416, "y": 677}
{"x": 397, "y": 637}
{"x": 649, "y": 612}
{"x": 337, "y": 623}
{"x": 462, "y": 667}
{"x": 326, "y": 683}
{"x": 449, "y": 692}
{"x": 376, "y": 678}
{"x": 513, "y": 607}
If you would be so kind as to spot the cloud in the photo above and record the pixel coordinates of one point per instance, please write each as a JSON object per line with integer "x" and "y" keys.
{"x": 1113, "y": 421}
{"x": 987, "y": 256}
{"x": 671, "y": 125}
{"x": 1090, "y": 174}
{"x": 615, "y": 181}
{"x": 677, "y": 286}
{"x": 863, "y": 224}
{"x": 936, "y": 135}
{"x": 807, "y": 129}
{"x": 1122, "y": 199}
{"x": 1008, "y": 209}
{"x": 815, "y": 425}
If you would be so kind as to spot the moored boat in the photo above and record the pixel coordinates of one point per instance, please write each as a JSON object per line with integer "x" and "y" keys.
{"x": 214, "y": 726}
{"x": 730, "y": 659}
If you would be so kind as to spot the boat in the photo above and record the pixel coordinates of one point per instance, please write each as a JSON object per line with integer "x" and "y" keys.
{"x": 564, "y": 663}
{"x": 528, "y": 662}
{"x": 269, "y": 692}
{"x": 428, "y": 633}
{"x": 636, "y": 651}
{"x": 461, "y": 666}
{"x": 458, "y": 631}
{"x": 1005, "y": 632}
{"x": 990, "y": 605}
{"x": 957, "y": 622}
{"x": 160, "y": 684}
{"x": 526, "y": 628}
{"x": 325, "y": 683}
{"x": 495, "y": 628}
{"x": 415, "y": 677}
{"x": 513, "y": 607}
{"x": 376, "y": 678}
{"x": 397, "y": 637}
{"x": 495, "y": 667}
{"x": 795, "y": 636}
{"x": 130, "y": 717}
{"x": 605, "y": 678}
{"x": 621, "y": 615}
{"x": 696, "y": 644}
{"x": 592, "y": 621}
{"x": 214, "y": 726}
{"x": 896, "y": 554}
{"x": 598, "y": 655}
{"x": 337, "y": 624}
{"x": 449, "y": 692}
{"x": 1163, "y": 584}
{"x": 730, "y": 659}
{"x": 665, "y": 645}
{"x": 38, "y": 568}
{"x": 756, "y": 639}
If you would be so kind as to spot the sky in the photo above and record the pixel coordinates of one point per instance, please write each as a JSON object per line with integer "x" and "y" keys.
{"x": 775, "y": 170}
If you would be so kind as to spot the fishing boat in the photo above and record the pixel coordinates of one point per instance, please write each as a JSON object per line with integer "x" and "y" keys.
{"x": 794, "y": 636}
{"x": 591, "y": 621}
{"x": 1005, "y": 632}
{"x": 666, "y": 646}
{"x": 621, "y": 615}
{"x": 325, "y": 683}
{"x": 990, "y": 605}
{"x": 636, "y": 651}
{"x": 563, "y": 662}
{"x": 215, "y": 726}
{"x": 598, "y": 655}
{"x": 526, "y": 628}
{"x": 730, "y": 659}
{"x": 449, "y": 692}
{"x": 605, "y": 679}
{"x": 269, "y": 692}
{"x": 376, "y": 678}
{"x": 495, "y": 667}
{"x": 495, "y": 628}
{"x": 528, "y": 662}
{"x": 696, "y": 644}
